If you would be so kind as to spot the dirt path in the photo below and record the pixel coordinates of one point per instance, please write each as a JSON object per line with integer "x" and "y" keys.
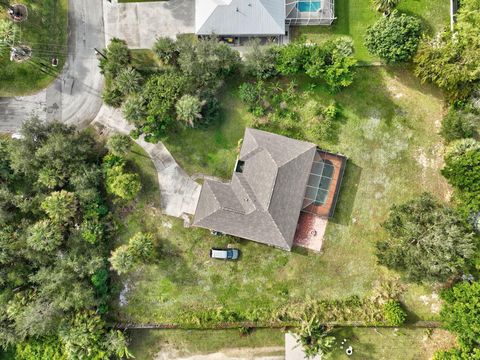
{"x": 264, "y": 353}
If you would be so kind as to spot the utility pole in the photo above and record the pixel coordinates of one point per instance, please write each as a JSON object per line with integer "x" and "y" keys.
{"x": 98, "y": 52}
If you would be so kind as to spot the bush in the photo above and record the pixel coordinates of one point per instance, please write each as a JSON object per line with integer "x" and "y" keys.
{"x": 292, "y": 58}
{"x": 189, "y": 109}
{"x": 457, "y": 125}
{"x": 394, "y": 38}
{"x": 394, "y": 314}
{"x": 260, "y": 60}
{"x": 166, "y": 50}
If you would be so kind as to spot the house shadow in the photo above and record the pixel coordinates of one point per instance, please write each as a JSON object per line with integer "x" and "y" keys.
{"x": 347, "y": 194}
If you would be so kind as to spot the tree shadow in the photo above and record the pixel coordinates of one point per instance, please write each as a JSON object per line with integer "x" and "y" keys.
{"x": 347, "y": 194}
{"x": 172, "y": 265}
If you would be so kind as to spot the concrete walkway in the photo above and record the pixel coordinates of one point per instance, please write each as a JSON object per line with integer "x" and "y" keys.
{"x": 179, "y": 192}
{"x": 139, "y": 24}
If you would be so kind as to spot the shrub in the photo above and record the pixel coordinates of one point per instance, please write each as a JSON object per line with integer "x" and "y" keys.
{"x": 260, "y": 60}
{"x": 166, "y": 50}
{"x": 394, "y": 314}
{"x": 462, "y": 170}
{"x": 385, "y": 6}
{"x": 314, "y": 339}
{"x": 457, "y": 125}
{"x": 394, "y": 38}
{"x": 292, "y": 58}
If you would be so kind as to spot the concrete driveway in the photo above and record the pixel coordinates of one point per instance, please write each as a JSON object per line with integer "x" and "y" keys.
{"x": 139, "y": 24}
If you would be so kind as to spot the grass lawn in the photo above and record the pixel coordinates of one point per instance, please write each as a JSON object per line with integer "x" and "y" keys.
{"x": 354, "y": 16}
{"x": 391, "y": 344}
{"x": 146, "y": 343}
{"x": 45, "y": 31}
{"x": 389, "y": 133}
{"x": 367, "y": 343}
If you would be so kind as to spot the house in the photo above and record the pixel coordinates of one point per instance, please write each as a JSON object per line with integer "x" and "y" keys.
{"x": 243, "y": 19}
{"x": 274, "y": 180}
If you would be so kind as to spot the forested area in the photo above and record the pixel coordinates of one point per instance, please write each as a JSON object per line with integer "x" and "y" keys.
{"x": 55, "y": 228}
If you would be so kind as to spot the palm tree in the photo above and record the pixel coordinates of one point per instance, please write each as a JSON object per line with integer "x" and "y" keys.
{"x": 385, "y": 6}
{"x": 189, "y": 109}
{"x": 314, "y": 338}
{"x": 128, "y": 81}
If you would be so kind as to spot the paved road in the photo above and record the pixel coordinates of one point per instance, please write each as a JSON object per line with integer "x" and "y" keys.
{"x": 74, "y": 97}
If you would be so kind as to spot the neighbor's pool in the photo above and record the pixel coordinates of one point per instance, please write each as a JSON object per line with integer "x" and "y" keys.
{"x": 307, "y": 6}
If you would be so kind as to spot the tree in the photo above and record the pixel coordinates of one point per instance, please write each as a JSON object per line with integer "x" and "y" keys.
{"x": 60, "y": 206}
{"x": 458, "y": 125}
{"x": 50, "y": 243}
{"x": 44, "y": 235}
{"x": 128, "y": 81}
{"x": 461, "y": 313}
{"x": 134, "y": 109}
{"x": 189, "y": 109}
{"x": 119, "y": 144}
{"x": 122, "y": 259}
{"x": 117, "y": 58}
{"x": 292, "y": 58}
{"x": 139, "y": 250}
{"x": 206, "y": 62}
{"x": 84, "y": 337}
{"x": 7, "y": 31}
{"x": 385, "y": 6}
{"x": 462, "y": 170}
{"x": 394, "y": 38}
{"x": 121, "y": 184}
{"x": 427, "y": 241}
{"x": 260, "y": 60}
{"x": 141, "y": 246}
{"x": 166, "y": 50}
{"x": 161, "y": 93}
{"x": 451, "y": 61}
{"x": 314, "y": 339}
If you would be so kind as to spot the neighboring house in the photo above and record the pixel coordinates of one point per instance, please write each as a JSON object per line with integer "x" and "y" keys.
{"x": 259, "y": 18}
{"x": 275, "y": 178}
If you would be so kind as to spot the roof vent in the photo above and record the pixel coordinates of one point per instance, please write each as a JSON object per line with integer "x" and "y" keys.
{"x": 239, "y": 167}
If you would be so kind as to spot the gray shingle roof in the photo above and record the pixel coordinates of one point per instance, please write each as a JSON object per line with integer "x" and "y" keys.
{"x": 240, "y": 17}
{"x": 263, "y": 202}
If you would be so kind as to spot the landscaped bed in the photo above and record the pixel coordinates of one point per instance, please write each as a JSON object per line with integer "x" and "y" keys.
{"x": 388, "y": 131}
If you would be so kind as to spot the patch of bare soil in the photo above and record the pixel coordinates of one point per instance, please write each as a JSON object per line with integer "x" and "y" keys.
{"x": 264, "y": 353}
{"x": 438, "y": 340}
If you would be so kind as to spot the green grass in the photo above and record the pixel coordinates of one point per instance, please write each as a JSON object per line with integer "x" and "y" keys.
{"x": 391, "y": 344}
{"x": 367, "y": 343}
{"x": 45, "y": 31}
{"x": 389, "y": 133}
{"x": 354, "y": 16}
{"x": 146, "y": 343}
{"x": 212, "y": 147}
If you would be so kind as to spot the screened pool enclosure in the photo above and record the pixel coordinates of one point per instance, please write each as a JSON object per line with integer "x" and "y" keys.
{"x": 310, "y": 12}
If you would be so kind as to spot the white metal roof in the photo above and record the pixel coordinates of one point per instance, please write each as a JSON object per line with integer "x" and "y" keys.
{"x": 240, "y": 17}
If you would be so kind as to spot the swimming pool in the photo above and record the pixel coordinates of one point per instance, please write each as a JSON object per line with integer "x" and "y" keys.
{"x": 307, "y": 6}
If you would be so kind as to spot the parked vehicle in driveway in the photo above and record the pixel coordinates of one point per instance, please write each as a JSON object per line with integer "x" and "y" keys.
{"x": 224, "y": 254}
